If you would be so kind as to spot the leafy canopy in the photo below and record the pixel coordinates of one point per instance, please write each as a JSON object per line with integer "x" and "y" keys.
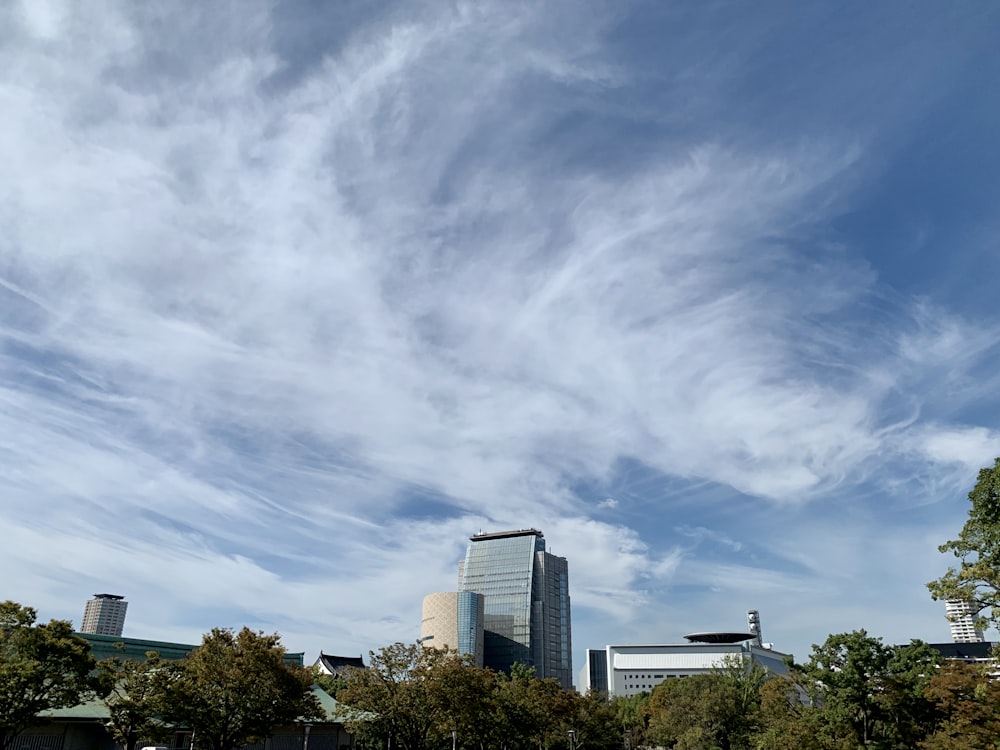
{"x": 236, "y": 688}
{"x": 135, "y": 698}
{"x": 977, "y": 577}
{"x": 42, "y": 667}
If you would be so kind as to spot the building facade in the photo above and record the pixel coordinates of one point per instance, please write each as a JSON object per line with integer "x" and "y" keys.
{"x": 962, "y": 619}
{"x": 631, "y": 670}
{"x": 526, "y": 601}
{"x": 104, "y": 615}
{"x": 454, "y": 619}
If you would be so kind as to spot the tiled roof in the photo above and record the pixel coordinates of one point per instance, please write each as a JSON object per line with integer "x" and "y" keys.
{"x": 335, "y": 664}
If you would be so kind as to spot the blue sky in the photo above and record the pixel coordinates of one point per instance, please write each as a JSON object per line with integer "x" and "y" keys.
{"x": 295, "y": 297}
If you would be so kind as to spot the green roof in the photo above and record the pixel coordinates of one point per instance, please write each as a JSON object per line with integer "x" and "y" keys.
{"x": 95, "y": 710}
{"x": 337, "y": 712}
{"x": 107, "y": 647}
{"x": 90, "y": 710}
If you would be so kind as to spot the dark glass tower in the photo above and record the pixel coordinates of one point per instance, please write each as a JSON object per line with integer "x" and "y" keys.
{"x": 526, "y": 597}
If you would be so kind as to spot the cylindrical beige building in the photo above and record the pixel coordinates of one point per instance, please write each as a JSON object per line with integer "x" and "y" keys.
{"x": 454, "y": 619}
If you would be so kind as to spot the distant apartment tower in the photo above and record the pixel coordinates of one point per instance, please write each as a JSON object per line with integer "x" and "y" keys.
{"x": 104, "y": 615}
{"x": 962, "y": 618}
{"x": 454, "y": 619}
{"x": 526, "y": 602}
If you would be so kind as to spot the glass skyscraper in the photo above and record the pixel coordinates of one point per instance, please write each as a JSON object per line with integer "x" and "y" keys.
{"x": 526, "y": 602}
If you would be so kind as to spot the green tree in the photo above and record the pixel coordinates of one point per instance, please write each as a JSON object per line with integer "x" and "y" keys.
{"x": 910, "y": 715}
{"x": 463, "y": 698}
{"x": 845, "y": 676}
{"x": 868, "y": 694}
{"x": 787, "y": 722}
{"x": 236, "y": 688}
{"x": 411, "y": 698}
{"x": 631, "y": 716}
{"x": 530, "y": 710}
{"x": 593, "y": 721}
{"x": 392, "y": 695}
{"x": 135, "y": 698}
{"x": 967, "y": 702}
{"x": 705, "y": 711}
{"x": 42, "y": 667}
{"x": 977, "y": 577}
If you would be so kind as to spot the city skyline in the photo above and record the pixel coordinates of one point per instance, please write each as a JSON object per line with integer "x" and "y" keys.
{"x": 295, "y": 297}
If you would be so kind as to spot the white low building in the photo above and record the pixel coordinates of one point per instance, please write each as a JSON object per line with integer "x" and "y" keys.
{"x": 631, "y": 670}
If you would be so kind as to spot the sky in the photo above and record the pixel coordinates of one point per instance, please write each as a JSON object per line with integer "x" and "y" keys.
{"x": 297, "y": 296}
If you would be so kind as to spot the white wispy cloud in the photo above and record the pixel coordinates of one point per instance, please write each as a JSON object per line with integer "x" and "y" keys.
{"x": 248, "y": 318}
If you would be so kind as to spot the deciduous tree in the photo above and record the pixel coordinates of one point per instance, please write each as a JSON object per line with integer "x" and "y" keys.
{"x": 704, "y": 711}
{"x": 393, "y": 696}
{"x": 236, "y": 688}
{"x": 977, "y": 577}
{"x": 845, "y": 675}
{"x": 869, "y": 694}
{"x": 968, "y": 706}
{"x": 135, "y": 699}
{"x": 42, "y": 667}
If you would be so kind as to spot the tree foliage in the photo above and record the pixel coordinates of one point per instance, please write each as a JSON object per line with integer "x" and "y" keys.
{"x": 393, "y": 694}
{"x": 977, "y": 577}
{"x": 42, "y": 667}
{"x": 135, "y": 698}
{"x": 716, "y": 710}
{"x": 967, "y": 703}
{"x": 868, "y": 694}
{"x": 787, "y": 721}
{"x": 631, "y": 716}
{"x": 414, "y": 698}
{"x": 236, "y": 688}
{"x": 854, "y": 691}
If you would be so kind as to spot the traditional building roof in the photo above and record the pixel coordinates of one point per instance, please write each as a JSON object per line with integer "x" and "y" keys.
{"x": 331, "y": 664}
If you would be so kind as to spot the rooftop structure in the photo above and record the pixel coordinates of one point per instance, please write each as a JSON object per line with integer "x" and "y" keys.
{"x": 719, "y": 636}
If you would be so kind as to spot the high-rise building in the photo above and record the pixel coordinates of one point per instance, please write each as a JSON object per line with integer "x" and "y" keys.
{"x": 526, "y": 602}
{"x": 104, "y": 615}
{"x": 962, "y": 617}
{"x": 454, "y": 619}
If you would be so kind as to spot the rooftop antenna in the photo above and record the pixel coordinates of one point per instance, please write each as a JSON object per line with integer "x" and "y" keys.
{"x": 753, "y": 626}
